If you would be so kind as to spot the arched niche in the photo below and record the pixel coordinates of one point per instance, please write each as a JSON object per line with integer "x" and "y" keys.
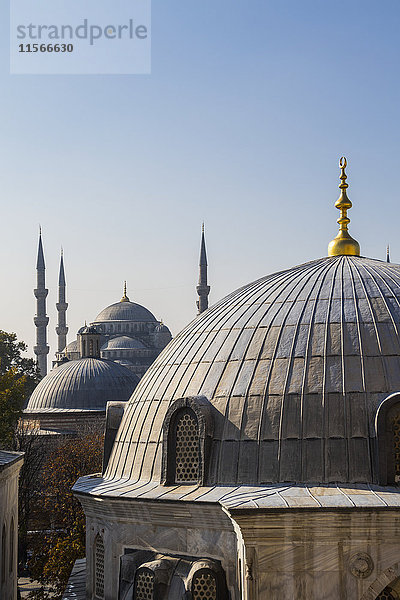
{"x": 387, "y": 424}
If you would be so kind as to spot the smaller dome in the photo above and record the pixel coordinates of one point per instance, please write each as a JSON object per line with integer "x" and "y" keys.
{"x": 85, "y": 384}
{"x": 161, "y": 328}
{"x": 88, "y": 329}
{"x": 123, "y": 342}
{"x": 72, "y": 347}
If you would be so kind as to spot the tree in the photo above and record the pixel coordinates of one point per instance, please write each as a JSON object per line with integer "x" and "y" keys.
{"x": 56, "y": 550}
{"x": 18, "y": 377}
{"x": 11, "y": 358}
{"x": 34, "y": 446}
{"x": 12, "y": 398}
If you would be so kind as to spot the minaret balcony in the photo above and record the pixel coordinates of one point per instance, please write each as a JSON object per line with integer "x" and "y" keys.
{"x": 40, "y": 350}
{"x": 62, "y": 306}
{"x": 41, "y": 321}
{"x": 40, "y": 293}
{"x": 203, "y": 290}
{"x": 61, "y": 330}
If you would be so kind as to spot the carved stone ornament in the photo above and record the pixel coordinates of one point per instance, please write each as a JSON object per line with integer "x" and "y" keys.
{"x": 361, "y": 565}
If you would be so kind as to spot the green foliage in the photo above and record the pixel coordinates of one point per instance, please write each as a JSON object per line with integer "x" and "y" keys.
{"x": 56, "y": 550}
{"x": 12, "y": 398}
{"x": 18, "y": 377}
{"x": 11, "y": 358}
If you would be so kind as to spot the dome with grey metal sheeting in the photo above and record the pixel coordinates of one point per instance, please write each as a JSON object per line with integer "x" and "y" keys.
{"x": 123, "y": 342}
{"x": 86, "y": 384}
{"x": 125, "y": 311}
{"x": 294, "y": 366}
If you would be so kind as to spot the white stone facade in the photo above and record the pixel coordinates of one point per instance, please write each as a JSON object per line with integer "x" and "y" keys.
{"x": 10, "y": 465}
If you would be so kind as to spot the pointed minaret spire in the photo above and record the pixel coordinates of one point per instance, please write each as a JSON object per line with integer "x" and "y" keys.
{"x": 41, "y": 320}
{"x": 203, "y": 289}
{"x": 387, "y": 254}
{"x": 62, "y": 305}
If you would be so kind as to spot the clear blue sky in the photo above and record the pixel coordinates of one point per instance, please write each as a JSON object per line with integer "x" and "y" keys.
{"x": 241, "y": 123}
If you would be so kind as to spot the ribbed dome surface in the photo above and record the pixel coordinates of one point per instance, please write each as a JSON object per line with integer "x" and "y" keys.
{"x": 295, "y": 366}
{"x": 85, "y": 384}
{"x": 125, "y": 311}
{"x": 123, "y": 342}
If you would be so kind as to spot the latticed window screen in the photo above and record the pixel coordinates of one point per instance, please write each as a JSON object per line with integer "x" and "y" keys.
{"x": 187, "y": 448}
{"x": 396, "y": 446}
{"x": 388, "y": 594}
{"x": 99, "y": 567}
{"x": 144, "y": 585}
{"x": 204, "y": 586}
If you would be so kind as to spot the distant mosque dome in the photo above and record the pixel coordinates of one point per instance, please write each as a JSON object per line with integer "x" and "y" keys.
{"x": 82, "y": 385}
{"x": 125, "y": 311}
{"x": 128, "y": 332}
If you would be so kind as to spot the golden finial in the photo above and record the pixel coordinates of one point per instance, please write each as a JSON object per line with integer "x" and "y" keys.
{"x": 343, "y": 244}
{"x": 202, "y": 227}
{"x": 125, "y": 297}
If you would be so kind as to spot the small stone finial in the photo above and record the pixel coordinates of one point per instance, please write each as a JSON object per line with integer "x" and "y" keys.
{"x": 125, "y": 297}
{"x": 343, "y": 244}
{"x": 387, "y": 254}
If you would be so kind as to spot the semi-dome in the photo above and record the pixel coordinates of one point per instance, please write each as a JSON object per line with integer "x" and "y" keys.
{"x": 125, "y": 311}
{"x": 294, "y": 367}
{"x": 123, "y": 342}
{"x": 72, "y": 346}
{"x": 82, "y": 385}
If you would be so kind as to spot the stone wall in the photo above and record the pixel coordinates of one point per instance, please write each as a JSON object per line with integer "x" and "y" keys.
{"x": 10, "y": 465}
{"x": 202, "y": 531}
{"x": 319, "y": 554}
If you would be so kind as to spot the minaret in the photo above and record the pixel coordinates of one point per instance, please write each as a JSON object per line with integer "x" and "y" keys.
{"x": 41, "y": 320}
{"x": 62, "y": 305}
{"x": 203, "y": 289}
{"x": 387, "y": 254}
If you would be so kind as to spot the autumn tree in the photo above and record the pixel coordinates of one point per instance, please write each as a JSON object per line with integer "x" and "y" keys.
{"x": 56, "y": 550}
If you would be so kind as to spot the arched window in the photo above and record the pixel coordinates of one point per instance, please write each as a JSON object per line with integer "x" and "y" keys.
{"x": 204, "y": 585}
{"x": 12, "y": 546}
{"x": 99, "y": 566}
{"x": 144, "y": 585}
{"x": 388, "y": 434}
{"x": 3, "y": 554}
{"x": 187, "y": 439}
{"x": 185, "y": 445}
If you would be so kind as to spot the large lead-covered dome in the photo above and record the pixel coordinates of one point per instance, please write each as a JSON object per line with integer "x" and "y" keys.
{"x": 82, "y": 385}
{"x": 294, "y": 366}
